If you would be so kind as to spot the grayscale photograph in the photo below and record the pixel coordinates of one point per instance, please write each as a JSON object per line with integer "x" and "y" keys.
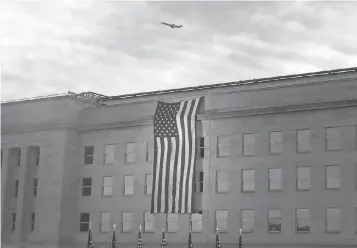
{"x": 174, "y": 124}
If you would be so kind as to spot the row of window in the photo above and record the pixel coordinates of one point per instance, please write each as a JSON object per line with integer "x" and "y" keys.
{"x": 34, "y": 187}
{"x": 32, "y": 221}
{"x": 247, "y": 221}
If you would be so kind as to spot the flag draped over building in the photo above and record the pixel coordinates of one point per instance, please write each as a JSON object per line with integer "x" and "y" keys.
{"x": 140, "y": 241}
{"x": 218, "y": 243}
{"x": 240, "y": 241}
{"x": 90, "y": 240}
{"x": 174, "y": 156}
{"x": 163, "y": 241}
{"x": 114, "y": 240}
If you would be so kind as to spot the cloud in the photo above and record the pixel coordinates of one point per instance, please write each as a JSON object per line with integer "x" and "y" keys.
{"x": 115, "y": 48}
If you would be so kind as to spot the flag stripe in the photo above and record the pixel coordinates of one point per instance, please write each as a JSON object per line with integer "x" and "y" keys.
{"x": 163, "y": 173}
{"x": 171, "y": 173}
{"x": 158, "y": 149}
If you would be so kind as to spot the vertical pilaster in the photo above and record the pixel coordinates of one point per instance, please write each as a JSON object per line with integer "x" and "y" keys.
{"x": 4, "y": 183}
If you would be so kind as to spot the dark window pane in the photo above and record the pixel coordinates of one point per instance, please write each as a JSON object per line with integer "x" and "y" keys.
{"x": 88, "y": 160}
{"x": 84, "y": 227}
{"x": 84, "y": 217}
{"x": 86, "y": 191}
{"x": 89, "y": 150}
{"x": 87, "y": 181}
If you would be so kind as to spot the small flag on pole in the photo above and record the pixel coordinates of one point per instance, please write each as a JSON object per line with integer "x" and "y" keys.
{"x": 190, "y": 244}
{"x": 114, "y": 240}
{"x": 218, "y": 243}
{"x": 140, "y": 241}
{"x": 163, "y": 242}
{"x": 90, "y": 240}
{"x": 240, "y": 242}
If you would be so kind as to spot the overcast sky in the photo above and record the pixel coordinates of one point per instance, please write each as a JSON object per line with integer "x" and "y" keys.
{"x": 114, "y": 48}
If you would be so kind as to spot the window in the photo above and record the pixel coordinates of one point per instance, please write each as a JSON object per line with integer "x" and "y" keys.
{"x": 149, "y": 222}
{"x": 105, "y": 221}
{"x": 128, "y": 185}
{"x": 2, "y": 156}
{"x": 303, "y": 181}
{"x": 130, "y": 153}
{"x": 86, "y": 186}
{"x": 333, "y": 220}
{"x": 275, "y": 179}
{"x": 200, "y": 147}
{"x": 302, "y": 220}
{"x": 223, "y": 146}
{"x": 148, "y": 184}
{"x": 198, "y": 187}
{"x": 127, "y": 219}
{"x": 356, "y": 136}
{"x": 17, "y": 156}
{"x": 32, "y": 222}
{"x": 196, "y": 222}
{"x": 37, "y": 162}
{"x": 222, "y": 220}
{"x": 303, "y": 140}
{"x": 222, "y": 183}
{"x": 88, "y": 154}
{"x": 248, "y": 180}
{"x": 13, "y": 222}
{"x": 274, "y": 218}
{"x": 107, "y": 188}
{"x": 333, "y": 177}
{"x": 332, "y": 135}
{"x": 172, "y": 222}
{"x": 276, "y": 142}
{"x": 16, "y": 188}
{"x": 35, "y": 186}
{"x": 247, "y": 220}
{"x": 150, "y": 151}
{"x": 249, "y": 144}
{"x": 109, "y": 154}
{"x": 84, "y": 222}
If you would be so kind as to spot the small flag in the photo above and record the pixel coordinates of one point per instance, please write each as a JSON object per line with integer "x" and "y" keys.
{"x": 90, "y": 240}
{"x": 190, "y": 245}
{"x": 163, "y": 242}
{"x": 218, "y": 243}
{"x": 114, "y": 240}
{"x": 140, "y": 241}
{"x": 240, "y": 242}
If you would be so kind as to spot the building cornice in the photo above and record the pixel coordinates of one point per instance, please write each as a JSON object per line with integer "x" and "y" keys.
{"x": 223, "y": 113}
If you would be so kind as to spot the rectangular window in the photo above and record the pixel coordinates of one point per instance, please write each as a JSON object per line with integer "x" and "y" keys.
{"x": 105, "y": 221}
{"x": 303, "y": 140}
{"x": 86, "y": 186}
{"x": 109, "y": 154}
{"x": 88, "y": 154}
{"x": 84, "y": 222}
{"x": 333, "y": 220}
{"x": 148, "y": 184}
{"x": 248, "y": 180}
{"x": 196, "y": 222}
{"x": 198, "y": 187}
{"x": 149, "y": 221}
{"x": 13, "y": 222}
{"x": 150, "y": 151}
{"x": 275, "y": 179}
{"x": 274, "y": 219}
{"x": 17, "y": 157}
{"x": 303, "y": 181}
{"x": 333, "y": 177}
{"x": 247, "y": 220}
{"x": 276, "y": 142}
{"x": 130, "y": 153}
{"x": 35, "y": 186}
{"x": 200, "y": 147}
{"x": 32, "y": 221}
{"x": 127, "y": 221}
{"x": 333, "y": 139}
{"x": 222, "y": 182}
{"x": 16, "y": 193}
{"x": 302, "y": 220}
{"x": 38, "y": 153}
{"x": 129, "y": 185}
{"x": 223, "y": 146}
{"x": 249, "y": 141}
{"x": 222, "y": 220}
{"x": 172, "y": 222}
{"x": 107, "y": 187}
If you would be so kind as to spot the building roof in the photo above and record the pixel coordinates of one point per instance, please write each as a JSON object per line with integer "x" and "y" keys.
{"x": 102, "y": 98}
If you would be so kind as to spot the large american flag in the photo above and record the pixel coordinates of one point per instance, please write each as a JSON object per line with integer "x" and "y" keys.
{"x": 174, "y": 156}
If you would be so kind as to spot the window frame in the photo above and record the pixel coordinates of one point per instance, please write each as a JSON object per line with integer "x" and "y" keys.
{"x": 281, "y": 220}
{"x": 217, "y": 182}
{"x": 146, "y": 191}
{"x": 200, "y": 148}
{"x": 297, "y": 220}
{"x": 85, "y": 223}
{"x": 274, "y": 143}
{"x": 199, "y": 184}
{"x": 219, "y": 146}
{"x": 125, "y": 185}
{"x": 194, "y": 230}
{"x": 247, "y": 145}
{"x": 225, "y": 229}
{"x": 326, "y": 177}
{"x": 104, "y": 186}
{"x": 152, "y": 221}
{"x": 242, "y": 181}
{"x": 35, "y": 187}
{"x": 32, "y": 221}
{"x": 13, "y": 221}
{"x": 17, "y": 157}
{"x": 38, "y": 156}
{"x": 150, "y": 150}
{"x": 83, "y": 187}
{"x": 282, "y": 178}
{"x": 298, "y": 141}
{"x": 176, "y": 221}
{"x": 327, "y": 220}
{"x": 134, "y": 152}
{"x": 242, "y": 221}
{"x": 105, "y": 162}
{"x": 122, "y": 222}
{"x": 297, "y": 178}
{"x": 102, "y": 223}
{"x": 17, "y": 186}
{"x": 88, "y": 155}
{"x": 328, "y": 139}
